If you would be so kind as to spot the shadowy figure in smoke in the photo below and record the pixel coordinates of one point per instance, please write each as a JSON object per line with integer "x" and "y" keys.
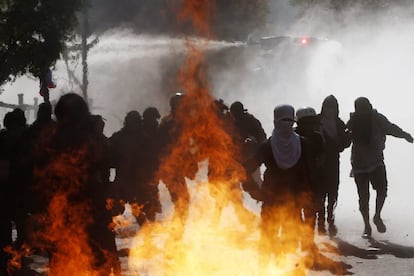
{"x": 247, "y": 126}
{"x": 19, "y": 173}
{"x": 243, "y": 133}
{"x": 131, "y": 152}
{"x": 5, "y": 196}
{"x": 11, "y": 139}
{"x": 151, "y": 129}
{"x": 39, "y": 139}
{"x": 170, "y": 132}
{"x": 369, "y": 129}
{"x": 72, "y": 191}
{"x": 308, "y": 126}
{"x": 248, "y": 134}
{"x": 336, "y": 139}
{"x": 150, "y": 122}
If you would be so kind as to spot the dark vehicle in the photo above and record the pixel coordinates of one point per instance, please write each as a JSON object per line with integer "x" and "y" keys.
{"x": 290, "y": 51}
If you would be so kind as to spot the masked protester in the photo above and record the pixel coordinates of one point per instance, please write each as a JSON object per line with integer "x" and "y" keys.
{"x": 369, "y": 129}
{"x": 285, "y": 185}
{"x": 336, "y": 138}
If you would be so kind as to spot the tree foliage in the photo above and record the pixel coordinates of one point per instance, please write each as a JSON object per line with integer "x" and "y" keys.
{"x": 33, "y": 34}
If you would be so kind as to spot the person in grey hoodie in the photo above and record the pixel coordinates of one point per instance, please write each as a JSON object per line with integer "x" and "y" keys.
{"x": 369, "y": 129}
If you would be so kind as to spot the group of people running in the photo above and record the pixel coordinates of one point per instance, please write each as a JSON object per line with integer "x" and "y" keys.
{"x": 68, "y": 159}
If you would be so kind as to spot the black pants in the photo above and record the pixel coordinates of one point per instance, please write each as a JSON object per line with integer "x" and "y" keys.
{"x": 378, "y": 180}
{"x": 330, "y": 186}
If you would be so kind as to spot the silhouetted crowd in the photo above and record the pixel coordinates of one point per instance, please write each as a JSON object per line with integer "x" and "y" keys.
{"x": 64, "y": 163}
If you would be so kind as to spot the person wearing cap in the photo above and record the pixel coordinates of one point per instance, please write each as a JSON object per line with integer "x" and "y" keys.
{"x": 247, "y": 126}
{"x": 336, "y": 138}
{"x": 369, "y": 130}
{"x": 285, "y": 178}
{"x": 308, "y": 126}
{"x": 247, "y": 132}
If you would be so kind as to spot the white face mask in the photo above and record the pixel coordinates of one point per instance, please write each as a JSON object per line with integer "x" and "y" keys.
{"x": 284, "y": 128}
{"x": 285, "y": 143}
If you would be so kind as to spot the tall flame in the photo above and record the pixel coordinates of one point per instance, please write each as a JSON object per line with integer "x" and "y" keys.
{"x": 63, "y": 225}
{"x": 204, "y": 237}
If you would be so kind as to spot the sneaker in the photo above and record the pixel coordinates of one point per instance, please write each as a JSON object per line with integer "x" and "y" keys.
{"x": 367, "y": 232}
{"x": 380, "y": 224}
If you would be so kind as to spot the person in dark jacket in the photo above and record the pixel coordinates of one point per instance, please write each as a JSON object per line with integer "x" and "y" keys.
{"x": 151, "y": 129}
{"x": 150, "y": 122}
{"x": 246, "y": 123}
{"x": 369, "y": 130}
{"x": 286, "y": 183}
{"x": 70, "y": 183}
{"x": 39, "y": 139}
{"x": 308, "y": 126}
{"x": 336, "y": 139}
{"x": 131, "y": 154}
{"x": 7, "y": 193}
{"x": 19, "y": 171}
{"x": 248, "y": 134}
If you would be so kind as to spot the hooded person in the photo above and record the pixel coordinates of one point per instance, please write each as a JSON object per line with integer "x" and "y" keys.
{"x": 308, "y": 126}
{"x": 247, "y": 126}
{"x": 369, "y": 130}
{"x": 150, "y": 122}
{"x": 282, "y": 156}
{"x": 285, "y": 180}
{"x": 336, "y": 138}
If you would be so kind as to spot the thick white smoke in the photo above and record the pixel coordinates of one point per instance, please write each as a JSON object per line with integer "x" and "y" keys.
{"x": 364, "y": 55}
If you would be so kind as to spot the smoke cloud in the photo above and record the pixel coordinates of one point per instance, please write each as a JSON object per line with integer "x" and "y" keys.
{"x": 360, "y": 54}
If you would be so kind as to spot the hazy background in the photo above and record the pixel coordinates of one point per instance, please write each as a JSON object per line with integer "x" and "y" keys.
{"x": 370, "y": 56}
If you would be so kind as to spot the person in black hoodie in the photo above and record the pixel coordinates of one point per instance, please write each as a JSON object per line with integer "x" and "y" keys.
{"x": 336, "y": 139}
{"x": 308, "y": 126}
{"x": 369, "y": 129}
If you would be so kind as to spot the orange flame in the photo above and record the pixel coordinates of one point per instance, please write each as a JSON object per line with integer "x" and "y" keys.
{"x": 203, "y": 237}
{"x": 64, "y": 224}
{"x": 62, "y": 229}
{"x": 198, "y": 13}
{"x": 15, "y": 263}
